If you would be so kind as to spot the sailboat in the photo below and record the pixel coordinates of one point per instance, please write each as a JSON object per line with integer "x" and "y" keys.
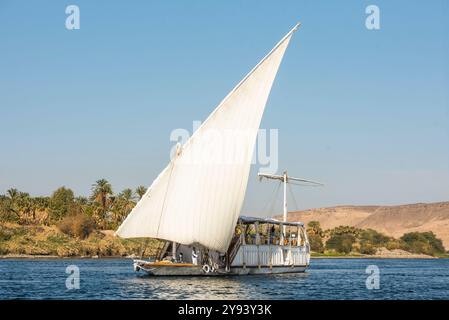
{"x": 194, "y": 204}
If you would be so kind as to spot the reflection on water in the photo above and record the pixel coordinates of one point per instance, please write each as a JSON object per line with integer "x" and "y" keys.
{"x": 231, "y": 287}
{"x": 326, "y": 279}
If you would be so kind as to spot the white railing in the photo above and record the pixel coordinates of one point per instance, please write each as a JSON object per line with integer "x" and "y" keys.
{"x": 271, "y": 255}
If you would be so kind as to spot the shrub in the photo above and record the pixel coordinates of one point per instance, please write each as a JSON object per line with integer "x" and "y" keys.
{"x": 60, "y": 202}
{"x": 373, "y": 237}
{"x": 78, "y": 225}
{"x": 316, "y": 243}
{"x": 346, "y": 230}
{"x": 3, "y": 250}
{"x": 341, "y": 243}
{"x": 422, "y": 242}
{"x": 5, "y": 234}
{"x": 313, "y": 227}
{"x": 6, "y": 211}
{"x": 366, "y": 248}
{"x": 393, "y": 244}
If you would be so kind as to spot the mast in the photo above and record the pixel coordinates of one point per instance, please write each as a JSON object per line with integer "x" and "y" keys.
{"x": 285, "y": 179}
{"x": 285, "y": 196}
{"x": 285, "y": 200}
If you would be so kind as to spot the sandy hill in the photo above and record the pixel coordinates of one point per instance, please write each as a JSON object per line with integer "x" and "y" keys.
{"x": 391, "y": 220}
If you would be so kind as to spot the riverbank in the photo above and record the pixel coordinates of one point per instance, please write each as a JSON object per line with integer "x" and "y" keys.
{"x": 411, "y": 257}
{"x": 37, "y": 241}
{"x": 53, "y": 257}
{"x": 381, "y": 253}
{"x": 48, "y": 242}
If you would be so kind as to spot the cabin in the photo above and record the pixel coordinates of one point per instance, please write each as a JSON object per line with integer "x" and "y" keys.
{"x": 268, "y": 243}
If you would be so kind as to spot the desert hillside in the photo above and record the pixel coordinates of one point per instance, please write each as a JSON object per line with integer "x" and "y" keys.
{"x": 391, "y": 220}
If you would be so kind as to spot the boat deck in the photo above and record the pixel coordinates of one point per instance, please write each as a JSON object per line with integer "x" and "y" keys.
{"x": 167, "y": 264}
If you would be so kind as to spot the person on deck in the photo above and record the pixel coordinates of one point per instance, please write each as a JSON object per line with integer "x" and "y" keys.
{"x": 194, "y": 257}
{"x": 272, "y": 235}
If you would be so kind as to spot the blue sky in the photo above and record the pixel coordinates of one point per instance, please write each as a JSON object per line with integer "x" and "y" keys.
{"x": 366, "y": 112}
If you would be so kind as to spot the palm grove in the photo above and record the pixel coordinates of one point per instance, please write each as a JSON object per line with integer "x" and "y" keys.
{"x": 73, "y": 215}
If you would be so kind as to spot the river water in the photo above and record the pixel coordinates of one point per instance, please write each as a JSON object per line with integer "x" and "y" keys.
{"x": 325, "y": 279}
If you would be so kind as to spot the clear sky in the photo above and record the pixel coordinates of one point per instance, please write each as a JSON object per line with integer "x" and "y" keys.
{"x": 364, "y": 111}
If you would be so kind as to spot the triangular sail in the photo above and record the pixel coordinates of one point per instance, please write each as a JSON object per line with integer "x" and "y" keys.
{"x": 197, "y": 198}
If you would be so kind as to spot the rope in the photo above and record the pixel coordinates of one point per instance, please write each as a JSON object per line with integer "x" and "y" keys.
{"x": 293, "y": 196}
{"x": 144, "y": 248}
{"x": 271, "y": 203}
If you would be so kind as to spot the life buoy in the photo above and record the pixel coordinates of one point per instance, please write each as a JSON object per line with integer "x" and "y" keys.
{"x": 206, "y": 268}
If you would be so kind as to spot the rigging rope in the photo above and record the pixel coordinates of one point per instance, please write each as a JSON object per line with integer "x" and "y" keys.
{"x": 270, "y": 204}
{"x": 293, "y": 196}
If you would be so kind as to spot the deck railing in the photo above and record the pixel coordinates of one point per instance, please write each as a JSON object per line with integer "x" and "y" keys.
{"x": 271, "y": 255}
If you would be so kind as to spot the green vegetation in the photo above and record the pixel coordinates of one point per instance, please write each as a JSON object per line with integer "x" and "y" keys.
{"x": 344, "y": 240}
{"x": 66, "y": 225}
{"x": 61, "y": 202}
{"x": 43, "y": 240}
{"x": 341, "y": 243}
{"x": 423, "y": 242}
{"x": 315, "y": 235}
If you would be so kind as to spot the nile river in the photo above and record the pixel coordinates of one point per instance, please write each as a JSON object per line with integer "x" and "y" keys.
{"x": 326, "y": 279}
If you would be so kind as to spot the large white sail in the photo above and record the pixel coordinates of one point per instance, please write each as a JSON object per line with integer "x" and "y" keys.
{"x": 197, "y": 198}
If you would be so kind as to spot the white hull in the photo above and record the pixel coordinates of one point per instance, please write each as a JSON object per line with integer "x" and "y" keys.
{"x": 188, "y": 270}
{"x": 249, "y": 260}
{"x": 267, "y": 270}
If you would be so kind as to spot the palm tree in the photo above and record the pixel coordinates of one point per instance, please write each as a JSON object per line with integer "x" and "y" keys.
{"x": 127, "y": 195}
{"x": 81, "y": 200}
{"x": 24, "y": 204}
{"x": 13, "y": 196}
{"x": 314, "y": 228}
{"x": 20, "y": 202}
{"x": 101, "y": 189}
{"x": 124, "y": 204}
{"x": 140, "y": 190}
{"x": 127, "y": 201}
{"x": 40, "y": 204}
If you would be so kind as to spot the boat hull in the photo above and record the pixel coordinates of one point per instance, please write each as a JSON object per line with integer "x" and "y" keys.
{"x": 267, "y": 270}
{"x": 154, "y": 269}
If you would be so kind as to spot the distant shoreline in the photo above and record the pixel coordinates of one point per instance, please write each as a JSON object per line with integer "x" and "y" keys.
{"x": 53, "y": 257}
{"x": 34, "y": 242}
{"x": 377, "y": 257}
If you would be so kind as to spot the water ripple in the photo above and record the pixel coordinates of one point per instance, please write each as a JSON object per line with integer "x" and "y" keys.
{"x": 326, "y": 279}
